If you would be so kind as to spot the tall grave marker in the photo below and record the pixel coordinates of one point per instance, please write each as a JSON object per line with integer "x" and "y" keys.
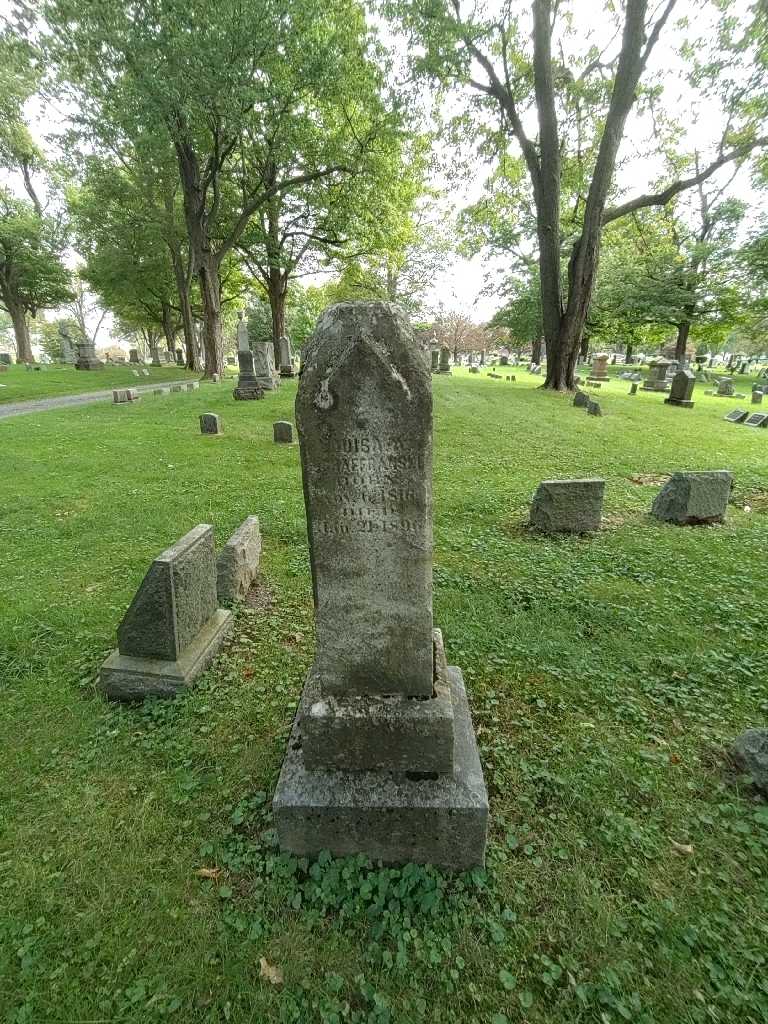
{"x": 383, "y": 758}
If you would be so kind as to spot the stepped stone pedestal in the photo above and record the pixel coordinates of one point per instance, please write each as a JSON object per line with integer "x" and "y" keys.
{"x": 382, "y": 759}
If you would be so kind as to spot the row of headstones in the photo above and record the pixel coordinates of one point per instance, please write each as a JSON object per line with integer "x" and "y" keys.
{"x": 121, "y": 395}
{"x": 282, "y": 430}
{"x": 575, "y": 506}
{"x": 755, "y": 419}
{"x": 175, "y": 624}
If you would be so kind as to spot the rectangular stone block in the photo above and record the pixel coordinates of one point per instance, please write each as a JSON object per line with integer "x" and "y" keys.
{"x": 210, "y": 423}
{"x": 392, "y": 817}
{"x": 238, "y": 564}
{"x": 568, "y": 506}
{"x": 694, "y": 497}
{"x": 175, "y": 600}
{"x": 376, "y": 733}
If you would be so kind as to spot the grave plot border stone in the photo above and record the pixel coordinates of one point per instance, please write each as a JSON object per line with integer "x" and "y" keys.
{"x": 238, "y": 563}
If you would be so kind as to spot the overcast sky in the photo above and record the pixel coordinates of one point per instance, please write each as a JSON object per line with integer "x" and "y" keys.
{"x": 460, "y": 285}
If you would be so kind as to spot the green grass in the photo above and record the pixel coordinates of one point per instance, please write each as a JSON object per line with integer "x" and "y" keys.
{"x": 606, "y": 677}
{"x": 20, "y": 384}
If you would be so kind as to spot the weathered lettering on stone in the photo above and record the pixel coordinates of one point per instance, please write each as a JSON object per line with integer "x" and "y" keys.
{"x": 364, "y": 415}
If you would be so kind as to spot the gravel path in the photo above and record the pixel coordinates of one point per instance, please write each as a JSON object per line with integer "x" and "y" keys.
{"x": 60, "y": 401}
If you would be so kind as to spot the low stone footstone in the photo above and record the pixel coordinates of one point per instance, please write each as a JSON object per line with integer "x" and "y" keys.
{"x": 757, "y": 396}
{"x": 593, "y": 409}
{"x": 193, "y": 385}
{"x": 144, "y": 372}
{"x": 282, "y": 432}
{"x": 173, "y": 628}
{"x": 238, "y": 564}
{"x": 210, "y": 423}
{"x": 594, "y": 384}
{"x": 177, "y": 388}
{"x": 86, "y": 357}
{"x": 568, "y": 506}
{"x": 135, "y": 373}
{"x": 750, "y": 755}
{"x": 598, "y": 371}
{"x": 214, "y": 378}
{"x": 382, "y": 759}
{"x": 581, "y": 400}
{"x": 125, "y": 395}
{"x": 689, "y": 499}
{"x": 681, "y": 391}
{"x": 736, "y": 416}
{"x": 756, "y": 419}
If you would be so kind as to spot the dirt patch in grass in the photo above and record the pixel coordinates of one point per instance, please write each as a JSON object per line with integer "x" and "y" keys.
{"x": 648, "y": 479}
{"x": 260, "y": 598}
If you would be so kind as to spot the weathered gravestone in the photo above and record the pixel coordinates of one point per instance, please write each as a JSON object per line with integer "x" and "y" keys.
{"x": 593, "y": 408}
{"x": 86, "y": 357}
{"x": 681, "y": 391}
{"x": 633, "y": 388}
{"x": 282, "y": 432}
{"x": 156, "y": 361}
{"x": 248, "y": 388}
{"x": 736, "y": 416}
{"x": 179, "y": 357}
{"x": 177, "y": 388}
{"x": 435, "y": 357}
{"x": 598, "y": 371}
{"x": 238, "y": 564}
{"x": 689, "y": 499}
{"x": 133, "y": 355}
{"x": 657, "y": 376}
{"x": 125, "y": 395}
{"x": 173, "y": 627}
{"x": 67, "y": 348}
{"x": 382, "y": 759}
{"x": 474, "y": 369}
{"x": 568, "y": 506}
{"x": 193, "y": 385}
{"x": 757, "y": 396}
{"x": 286, "y": 357}
{"x": 756, "y": 419}
{"x": 445, "y": 360}
{"x": 581, "y": 400}
{"x": 210, "y": 423}
{"x": 6, "y": 358}
{"x": 750, "y": 755}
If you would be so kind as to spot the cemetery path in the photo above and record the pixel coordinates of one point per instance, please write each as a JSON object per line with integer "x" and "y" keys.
{"x": 60, "y": 401}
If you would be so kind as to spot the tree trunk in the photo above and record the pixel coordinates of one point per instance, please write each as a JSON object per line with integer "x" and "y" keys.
{"x": 185, "y": 308}
{"x": 683, "y": 330}
{"x": 210, "y": 290}
{"x": 536, "y": 351}
{"x": 277, "y": 291}
{"x": 482, "y": 357}
{"x": 584, "y": 348}
{"x": 628, "y": 353}
{"x": 168, "y": 327}
{"x": 21, "y": 332}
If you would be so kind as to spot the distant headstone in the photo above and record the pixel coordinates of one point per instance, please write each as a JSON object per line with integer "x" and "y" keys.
{"x": 214, "y": 378}
{"x": 86, "y": 357}
{"x": 177, "y": 388}
{"x": 593, "y": 409}
{"x": 144, "y": 372}
{"x": 173, "y": 627}
{"x": 248, "y": 388}
{"x": 193, "y": 385}
{"x": 135, "y": 373}
{"x": 282, "y": 432}
{"x": 125, "y": 395}
{"x": 657, "y": 376}
{"x": 581, "y": 400}
{"x": 444, "y": 365}
{"x": 156, "y": 361}
{"x": 474, "y": 369}
{"x": 599, "y": 371}
{"x": 179, "y": 357}
{"x": 757, "y": 396}
{"x": 243, "y": 344}
{"x": 67, "y": 348}
{"x": 757, "y": 419}
{"x": 210, "y": 423}
{"x": 692, "y": 498}
{"x": 161, "y": 391}
{"x": 133, "y": 355}
{"x": 369, "y": 769}
{"x": 6, "y": 358}
{"x": 238, "y": 564}
{"x": 594, "y": 384}
{"x": 568, "y": 506}
{"x": 435, "y": 357}
{"x": 504, "y": 360}
{"x": 725, "y": 388}
{"x": 750, "y": 755}
{"x": 286, "y": 357}
{"x": 264, "y": 365}
{"x": 736, "y": 416}
{"x": 681, "y": 391}
{"x": 633, "y": 388}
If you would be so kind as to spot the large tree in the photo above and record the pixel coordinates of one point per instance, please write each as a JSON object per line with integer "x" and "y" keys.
{"x": 532, "y": 70}
{"x": 256, "y": 98}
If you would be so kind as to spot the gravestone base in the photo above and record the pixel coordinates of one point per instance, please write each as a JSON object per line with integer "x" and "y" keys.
{"x": 655, "y": 385}
{"x": 679, "y": 401}
{"x": 380, "y": 732}
{"x": 287, "y": 371}
{"x": 247, "y": 391}
{"x": 393, "y": 817}
{"x": 128, "y": 679}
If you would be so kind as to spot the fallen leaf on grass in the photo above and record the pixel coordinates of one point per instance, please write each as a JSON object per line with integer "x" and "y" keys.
{"x": 683, "y": 849}
{"x": 270, "y": 972}
{"x": 208, "y": 872}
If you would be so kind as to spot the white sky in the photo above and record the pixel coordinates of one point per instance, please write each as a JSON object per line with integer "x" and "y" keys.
{"x": 460, "y": 285}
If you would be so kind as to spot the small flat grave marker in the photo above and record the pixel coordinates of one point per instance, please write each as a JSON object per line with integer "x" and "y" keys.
{"x": 736, "y": 416}
{"x": 757, "y": 419}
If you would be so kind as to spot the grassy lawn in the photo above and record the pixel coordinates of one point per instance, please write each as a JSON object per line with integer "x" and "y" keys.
{"x": 20, "y": 384}
{"x": 627, "y": 874}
